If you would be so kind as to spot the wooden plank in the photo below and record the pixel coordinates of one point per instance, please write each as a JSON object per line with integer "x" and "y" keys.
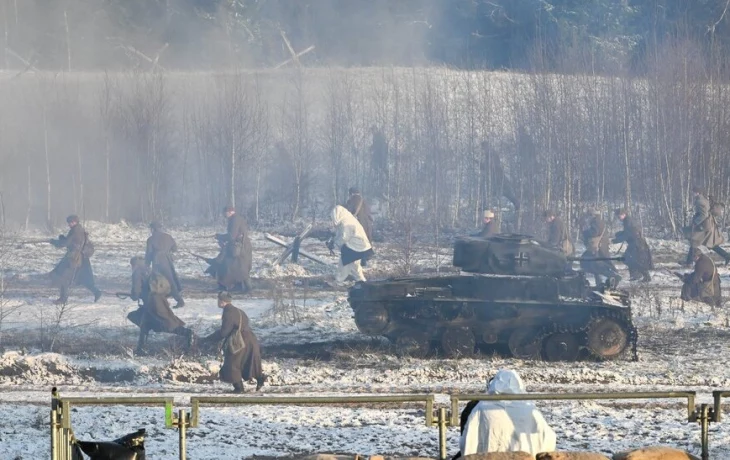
{"x": 283, "y": 244}
{"x": 290, "y": 248}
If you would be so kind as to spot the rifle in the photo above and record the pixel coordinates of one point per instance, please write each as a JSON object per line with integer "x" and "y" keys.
{"x": 331, "y": 245}
{"x": 209, "y": 261}
{"x": 122, "y": 295}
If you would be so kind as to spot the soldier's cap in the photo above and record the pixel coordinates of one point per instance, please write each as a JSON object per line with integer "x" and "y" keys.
{"x": 72, "y": 218}
{"x": 155, "y": 225}
{"x": 136, "y": 260}
{"x": 698, "y": 189}
{"x": 228, "y": 209}
{"x": 594, "y": 212}
{"x": 353, "y": 190}
{"x": 225, "y": 296}
{"x": 488, "y": 214}
{"x": 548, "y": 213}
{"x": 620, "y": 211}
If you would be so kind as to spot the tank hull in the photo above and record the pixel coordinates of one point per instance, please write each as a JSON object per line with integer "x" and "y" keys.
{"x": 531, "y": 316}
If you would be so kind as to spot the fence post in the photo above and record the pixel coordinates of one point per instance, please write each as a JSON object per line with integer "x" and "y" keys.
{"x": 181, "y": 426}
{"x": 704, "y": 430}
{"x": 442, "y": 433}
{"x": 54, "y": 435}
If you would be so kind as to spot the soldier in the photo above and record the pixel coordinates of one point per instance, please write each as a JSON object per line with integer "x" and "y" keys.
{"x": 75, "y": 267}
{"x": 558, "y": 234}
{"x": 359, "y": 208}
{"x": 703, "y": 230}
{"x": 241, "y": 354}
{"x": 158, "y": 256}
{"x": 703, "y": 283}
{"x": 354, "y": 245}
{"x": 154, "y": 314}
{"x": 595, "y": 239}
{"x": 637, "y": 256}
{"x": 490, "y": 225}
{"x": 233, "y": 264}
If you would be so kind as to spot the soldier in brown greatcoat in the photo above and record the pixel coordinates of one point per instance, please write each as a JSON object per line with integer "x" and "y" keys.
{"x": 158, "y": 256}
{"x": 243, "y": 364}
{"x": 558, "y": 234}
{"x": 154, "y": 314}
{"x": 359, "y": 208}
{"x": 75, "y": 267}
{"x": 490, "y": 225}
{"x": 703, "y": 230}
{"x": 637, "y": 256}
{"x": 595, "y": 238}
{"x": 233, "y": 264}
{"x": 703, "y": 284}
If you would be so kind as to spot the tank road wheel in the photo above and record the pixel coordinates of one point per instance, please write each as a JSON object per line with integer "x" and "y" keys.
{"x": 607, "y": 339}
{"x": 561, "y": 346}
{"x": 412, "y": 343}
{"x": 371, "y": 319}
{"x": 458, "y": 342}
{"x": 523, "y": 343}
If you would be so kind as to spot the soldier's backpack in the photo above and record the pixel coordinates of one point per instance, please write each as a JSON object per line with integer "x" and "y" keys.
{"x": 159, "y": 285}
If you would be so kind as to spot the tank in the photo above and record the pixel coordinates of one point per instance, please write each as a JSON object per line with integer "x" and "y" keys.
{"x": 513, "y": 293}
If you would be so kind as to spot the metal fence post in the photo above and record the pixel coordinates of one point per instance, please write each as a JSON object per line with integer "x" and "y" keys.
{"x": 442, "y": 433}
{"x": 704, "y": 430}
{"x": 54, "y": 436}
{"x": 181, "y": 426}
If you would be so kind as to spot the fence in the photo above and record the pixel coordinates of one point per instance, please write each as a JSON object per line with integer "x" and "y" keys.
{"x": 62, "y": 434}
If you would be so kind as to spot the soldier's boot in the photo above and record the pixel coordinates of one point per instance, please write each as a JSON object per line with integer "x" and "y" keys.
{"x": 646, "y": 276}
{"x": 179, "y": 301}
{"x": 62, "y": 297}
{"x": 237, "y": 387}
{"x": 97, "y": 294}
{"x": 141, "y": 343}
{"x": 634, "y": 274}
{"x": 246, "y": 285}
{"x": 722, "y": 253}
{"x": 260, "y": 380}
{"x": 189, "y": 335}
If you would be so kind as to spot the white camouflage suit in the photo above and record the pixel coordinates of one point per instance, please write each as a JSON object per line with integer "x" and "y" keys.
{"x": 506, "y": 426}
{"x": 349, "y": 232}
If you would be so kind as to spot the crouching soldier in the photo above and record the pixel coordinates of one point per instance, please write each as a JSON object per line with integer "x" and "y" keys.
{"x": 703, "y": 284}
{"x": 154, "y": 314}
{"x": 241, "y": 353}
{"x": 354, "y": 245}
{"x": 75, "y": 267}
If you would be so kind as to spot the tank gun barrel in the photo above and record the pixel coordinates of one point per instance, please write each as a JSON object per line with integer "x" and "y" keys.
{"x": 595, "y": 259}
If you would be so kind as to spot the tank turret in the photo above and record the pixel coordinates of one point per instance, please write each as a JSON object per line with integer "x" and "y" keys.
{"x": 509, "y": 254}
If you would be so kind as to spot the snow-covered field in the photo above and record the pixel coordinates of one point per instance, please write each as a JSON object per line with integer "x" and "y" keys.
{"x": 312, "y": 347}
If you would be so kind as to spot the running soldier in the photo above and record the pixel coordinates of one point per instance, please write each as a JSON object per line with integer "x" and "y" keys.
{"x": 637, "y": 256}
{"x": 154, "y": 313}
{"x": 232, "y": 267}
{"x": 241, "y": 353}
{"x": 595, "y": 239}
{"x": 158, "y": 256}
{"x": 75, "y": 267}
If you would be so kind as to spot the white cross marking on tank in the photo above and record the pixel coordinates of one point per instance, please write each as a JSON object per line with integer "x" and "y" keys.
{"x": 521, "y": 258}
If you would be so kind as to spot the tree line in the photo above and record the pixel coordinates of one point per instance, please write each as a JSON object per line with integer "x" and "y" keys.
{"x": 426, "y": 143}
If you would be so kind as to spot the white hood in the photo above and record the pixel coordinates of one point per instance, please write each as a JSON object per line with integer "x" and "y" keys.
{"x": 348, "y": 230}
{"x": 506, "y": 382}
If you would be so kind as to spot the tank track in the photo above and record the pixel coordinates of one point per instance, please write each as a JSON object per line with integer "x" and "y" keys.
{"x": 621, "y": 318}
